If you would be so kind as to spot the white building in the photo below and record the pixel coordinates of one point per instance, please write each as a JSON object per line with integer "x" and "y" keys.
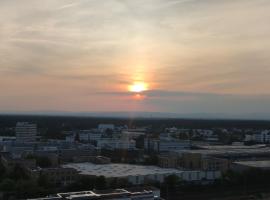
{"x": 161, "y": 145}
{"x": 116, "y": 143}
{"x": 26, "y": 132}
{"x": 131, "y": 135}
{"x": 262, "y": 137}
{"x": 104, "y": 127}
{"x": 138, "y": 174}
{"x": 85, "y": 136}
{"x": 7, "y": 139}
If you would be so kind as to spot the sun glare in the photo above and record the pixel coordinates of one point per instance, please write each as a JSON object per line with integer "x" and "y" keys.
{"x": 138, "y": 87}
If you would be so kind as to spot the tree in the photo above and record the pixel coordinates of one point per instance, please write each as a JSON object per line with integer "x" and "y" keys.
{"x": 2, "y": 171}
{"x": 83, "y": 183}
{"x": 18, "y": 173}
{"x": 100, "y": 183}
{"x": 43, "y": 181}
{"x": 7, "y": 185}
{"x": 172, "y": 181}
{"x": 43, "y": 162}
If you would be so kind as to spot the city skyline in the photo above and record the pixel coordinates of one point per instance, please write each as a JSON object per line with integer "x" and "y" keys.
{"x": 171, "y": 56}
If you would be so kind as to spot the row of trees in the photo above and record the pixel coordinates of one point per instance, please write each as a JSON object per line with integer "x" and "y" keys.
{"x": 250, "y": 182}
{"x": 15, "y": 183}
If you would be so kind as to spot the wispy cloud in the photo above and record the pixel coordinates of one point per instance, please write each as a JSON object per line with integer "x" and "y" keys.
{"x": 66, "y": 6}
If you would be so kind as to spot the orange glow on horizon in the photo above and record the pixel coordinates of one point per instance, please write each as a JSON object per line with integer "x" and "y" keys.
{"x": 138, "y": 87}
{"x": 138, "y": 97}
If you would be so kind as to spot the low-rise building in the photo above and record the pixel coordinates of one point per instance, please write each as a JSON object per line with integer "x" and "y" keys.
{"x": 162, "y": 145}
{"x": 92, "y": 159}
{"x": 248, "y": 165}
{"x": 168, "y": 161}
{"x": 262, "y": 137}
{"x": 105, "y": 127}
{"x": 84, "y": 136}
{"x": 220, "y": 157}
{"x": 116, "y": 143}
{"x": 138, "y": 174}
{"x": 56, "y": 176}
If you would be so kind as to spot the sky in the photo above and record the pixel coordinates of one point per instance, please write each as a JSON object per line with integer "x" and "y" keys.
{"x": 192, "y": 56}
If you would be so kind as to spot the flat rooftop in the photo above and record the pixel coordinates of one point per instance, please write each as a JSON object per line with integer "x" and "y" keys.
{"x": 118, "y": 170}
{"x": 224, "y": 147}
{"x": 229, "y": 150}
{"x": 255, "y": 164}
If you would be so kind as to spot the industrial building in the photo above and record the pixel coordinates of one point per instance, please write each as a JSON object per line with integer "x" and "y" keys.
{"x": 138, "y": 174}
{"x": 248, "y": 165}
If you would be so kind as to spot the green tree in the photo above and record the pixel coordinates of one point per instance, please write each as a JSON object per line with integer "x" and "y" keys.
{"x": 172, "y": 181}
{"x": 7, "y": 185}
{"x": 100, "y": 183}
{"x": 18, "y": 173}
{"x": 2, "y": 171}
{"x": 43, "y": 162}
{"x": 43, "y": 181}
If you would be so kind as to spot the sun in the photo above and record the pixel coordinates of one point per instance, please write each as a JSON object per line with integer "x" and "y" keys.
{"x": 138, "y": 87}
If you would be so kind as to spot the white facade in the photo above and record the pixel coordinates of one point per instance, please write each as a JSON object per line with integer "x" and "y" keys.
{"x": 115, "y": 143}
{"x": 85, "y": 137}
{"x": 104, "y": 127}
{"x": 262, "y": 137}
{"x": 158, "y": 145}
{"x": 131, "y": 135}
{"x": 26, "y": 132}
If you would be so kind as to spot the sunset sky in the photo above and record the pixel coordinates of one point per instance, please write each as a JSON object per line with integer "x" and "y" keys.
{"x": 186, "y": 56}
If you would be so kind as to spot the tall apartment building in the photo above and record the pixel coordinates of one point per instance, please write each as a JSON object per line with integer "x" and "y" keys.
{"x": 26, "y": 132}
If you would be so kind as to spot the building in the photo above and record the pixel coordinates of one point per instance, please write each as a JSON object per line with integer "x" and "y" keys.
{"x": 161, "y": 145}
{"x": 105, "y": 127}
{"x": 263, "y": 137}
{"x": 84, "y": 136}
{"x": 71, "y": 154}
{"x": 138, "y": 174}
{"x": 220, "y": 157}
{"x": 168, "y": 161}
{"x": 26, "y": 132}
{"x": 56, "y": 176}
{"x": 131, "y": 134}
{"x": 7, "y": 138}
{"x": 147, "y": 193}
{"x": 248, "y": 165}
{"x": 92, "y": 159}
{"x": 116, "y": 143}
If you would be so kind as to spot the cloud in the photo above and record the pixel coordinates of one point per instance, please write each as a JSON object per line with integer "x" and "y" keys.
{"x": 70, "y": 5}
{"x": 214, "y": 51}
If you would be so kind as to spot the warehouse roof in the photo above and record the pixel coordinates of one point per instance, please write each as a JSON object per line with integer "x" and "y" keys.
{"x": 118, "y": 170}
{"x": 264, "y": 164}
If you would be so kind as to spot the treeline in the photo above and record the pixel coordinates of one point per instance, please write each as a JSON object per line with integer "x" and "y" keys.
{"x": 250, "y": 182}
{"x": 16, "y": 184}
{"x": 60, "y": 122}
